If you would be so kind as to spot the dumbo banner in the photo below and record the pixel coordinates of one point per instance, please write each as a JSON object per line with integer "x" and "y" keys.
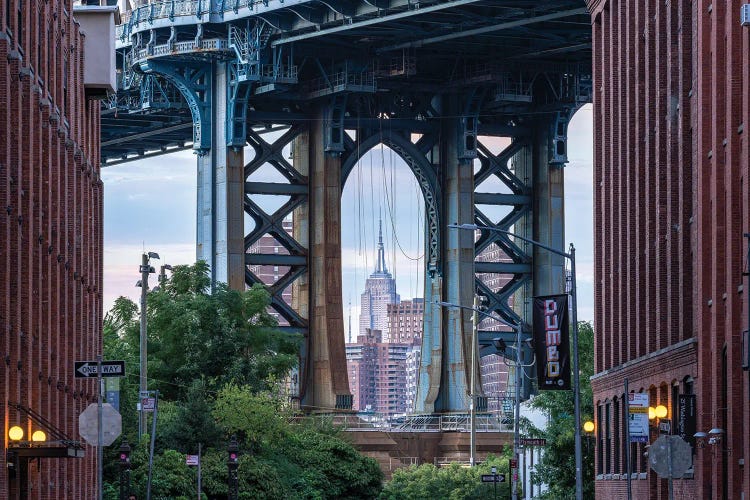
{"x": 552, "y": 342}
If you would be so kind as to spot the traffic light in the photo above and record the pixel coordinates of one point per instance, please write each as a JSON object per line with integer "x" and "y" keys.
{"x": 124, "y": 454}
{"x": 232, "y": 464}
{"x": 233, "y": 452}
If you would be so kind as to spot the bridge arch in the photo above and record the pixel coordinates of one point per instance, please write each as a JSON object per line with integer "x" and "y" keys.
{"x": 426, "y": 177}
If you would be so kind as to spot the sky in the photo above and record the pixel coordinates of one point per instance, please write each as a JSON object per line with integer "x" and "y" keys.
{"x": 150, "y": 205}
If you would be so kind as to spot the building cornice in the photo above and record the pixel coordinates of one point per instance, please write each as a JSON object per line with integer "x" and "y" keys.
{"x": 646, "y": 367}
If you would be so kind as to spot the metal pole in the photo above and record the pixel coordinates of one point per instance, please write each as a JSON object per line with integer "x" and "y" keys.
{"x": 516, "y": 428}
{"x": 472, "y": 392}
{"x": 629, "y": 467}
{"x": 151, "y": 449}
{"x": 199, "y": 471}
{"x": 576, "y": 376}
{"x": 523, "y": 474}
{"x": 100, "y": 431}
{"x": 494, "y": 480}
{"x": 669, "y": 462}
{"x": 531, "y": 469}
{"x": 143, "y": 342}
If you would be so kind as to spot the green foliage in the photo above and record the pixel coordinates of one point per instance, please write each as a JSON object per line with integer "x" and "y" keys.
{"x": 216, "y": 359}
{"x": 310, "y": 461}
{"x": 259, "y": 419}
{"x": 453, "y": 482}
{"x": 225, "y": 336}
{"x": 556, "y": 469}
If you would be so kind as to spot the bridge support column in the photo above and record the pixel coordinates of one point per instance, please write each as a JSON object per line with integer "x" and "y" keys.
{"x": 458, "y": 271}
{"x": 548, "y": 210}
{"x": 326, "y": 381}
{"x": 220, "y": 231}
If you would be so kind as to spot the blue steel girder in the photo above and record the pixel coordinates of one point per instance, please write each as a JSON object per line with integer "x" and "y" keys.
{"x": 237, "y": 101}
{"x": 296, "y": 190}
{"x": 517, "y": 270}
{"x": 194, "y": 83}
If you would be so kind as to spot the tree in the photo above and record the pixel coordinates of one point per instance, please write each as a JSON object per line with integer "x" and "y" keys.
{"x": 217, "y": 359}
{"x": 309, "y": 461}
{"x": 556, "y": 468}
{"x": 453, "y": 482}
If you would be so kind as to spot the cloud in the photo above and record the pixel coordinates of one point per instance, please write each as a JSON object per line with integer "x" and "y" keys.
{"x": 122, "y": 262}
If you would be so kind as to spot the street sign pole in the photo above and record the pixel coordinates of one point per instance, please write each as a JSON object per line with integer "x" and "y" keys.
{"x": 628, "y": 460}
{"x": 100, "y": 438}
{"x": 199, "y": 471}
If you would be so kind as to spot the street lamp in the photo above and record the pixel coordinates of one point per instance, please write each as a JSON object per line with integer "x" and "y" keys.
{"x": 588, "y": 428}
{"x": 145, "y": 270}
{"x": 570, "y": 255}
{"x": 15, "y": 433}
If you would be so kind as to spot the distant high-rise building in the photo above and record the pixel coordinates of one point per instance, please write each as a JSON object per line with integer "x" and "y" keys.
{"x": 405, "y": 322}
{"x": 377, "y": 374}
{"x": 269, "y": 275}
{"x": 405, "y": 326}
{"x": 380, "y": 290}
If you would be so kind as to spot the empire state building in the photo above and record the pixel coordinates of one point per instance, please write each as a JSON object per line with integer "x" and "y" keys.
{"x": 380, "y": 290}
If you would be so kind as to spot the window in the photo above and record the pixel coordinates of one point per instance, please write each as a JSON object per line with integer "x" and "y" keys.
{"x": 600, "y": 438}
{"x": 65, "y": 86}
{"x": 607, "y": 439}
{"x": 7, "y": 14}
{"x": 38, "y": 48}
{"x": 19, "y": 26}
{"x": 616, "y": 449}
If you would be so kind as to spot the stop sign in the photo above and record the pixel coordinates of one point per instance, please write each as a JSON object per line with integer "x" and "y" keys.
{"x": 111, "y": 424}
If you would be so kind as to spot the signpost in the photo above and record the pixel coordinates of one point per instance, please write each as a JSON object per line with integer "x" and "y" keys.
{"x": 104, "y": 414}
{"x": 88, "y": 426}
{"x": 670, "y": 457}
{"x": 533, "y": 442}
{"x": 638, "y": 417}
{"x": 685, "y": 425}
{"x": 88, "y": 369}
{"x": 493, "y": 478}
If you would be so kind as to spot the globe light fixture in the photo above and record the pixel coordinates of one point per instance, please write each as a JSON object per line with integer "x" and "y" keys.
{"x": 589, "y": 426}
{"x": 39, "y": 436}
{"x": 660, "y": 411}
{"x": 651, "y": 413}
{"x": 15, "y": 433}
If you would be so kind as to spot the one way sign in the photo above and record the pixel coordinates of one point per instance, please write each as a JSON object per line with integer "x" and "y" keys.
{"x": 87, "y": 369}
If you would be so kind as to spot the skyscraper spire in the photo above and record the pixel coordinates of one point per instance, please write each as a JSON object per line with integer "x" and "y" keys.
{"x": 381, "y": 251}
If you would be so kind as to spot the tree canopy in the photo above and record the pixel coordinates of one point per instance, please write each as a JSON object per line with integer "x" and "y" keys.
{"x": 219, "y": 364}
{"x": 454, "y": 482}
{"x": 556, "y": 468}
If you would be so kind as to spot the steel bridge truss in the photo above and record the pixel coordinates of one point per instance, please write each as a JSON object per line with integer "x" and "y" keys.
{"x": 395, "y": 72}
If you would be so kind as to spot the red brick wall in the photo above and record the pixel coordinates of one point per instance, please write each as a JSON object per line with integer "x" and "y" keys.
{"x": 672, "y": 87}
{"x": 50, "y": 238}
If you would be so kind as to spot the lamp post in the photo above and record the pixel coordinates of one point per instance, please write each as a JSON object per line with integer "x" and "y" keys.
{"x": 145, "y": 270}
{"x": 570, "y": 255}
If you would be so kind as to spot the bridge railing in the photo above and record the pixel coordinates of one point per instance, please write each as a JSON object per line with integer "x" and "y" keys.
{"x": 485, "y": 422}
{"x": 178, "y": 8}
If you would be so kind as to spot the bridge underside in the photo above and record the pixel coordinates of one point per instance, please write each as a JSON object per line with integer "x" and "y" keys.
{"x": 474, "y": 96}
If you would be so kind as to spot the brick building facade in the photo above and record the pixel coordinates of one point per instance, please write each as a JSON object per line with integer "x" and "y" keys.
{"x": 671, "y": 101}
{"x": 50, "y": 241}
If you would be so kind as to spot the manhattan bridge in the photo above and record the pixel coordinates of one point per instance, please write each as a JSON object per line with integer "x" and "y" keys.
{"x": 436, "y": 81}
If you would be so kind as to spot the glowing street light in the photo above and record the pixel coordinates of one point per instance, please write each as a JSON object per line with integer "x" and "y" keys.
{"x": 15, "y": 433}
